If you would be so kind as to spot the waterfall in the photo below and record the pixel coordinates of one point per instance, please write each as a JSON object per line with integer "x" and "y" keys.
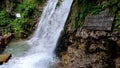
{"x": 44, "y": 40}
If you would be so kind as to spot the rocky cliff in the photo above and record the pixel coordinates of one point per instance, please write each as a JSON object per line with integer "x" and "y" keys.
{"x": 84, "y": 48}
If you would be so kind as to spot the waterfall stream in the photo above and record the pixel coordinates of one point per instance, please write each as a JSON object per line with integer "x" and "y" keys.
{"x": 38, "y": 52}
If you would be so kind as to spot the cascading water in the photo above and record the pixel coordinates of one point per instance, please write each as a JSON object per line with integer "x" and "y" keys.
{"x": 42, "y": 45}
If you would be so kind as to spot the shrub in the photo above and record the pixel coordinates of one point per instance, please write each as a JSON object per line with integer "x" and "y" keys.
{"x": 4, "y": 18}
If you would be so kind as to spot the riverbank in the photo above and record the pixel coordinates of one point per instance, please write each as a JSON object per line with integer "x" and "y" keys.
{"x": 13, "y": 27}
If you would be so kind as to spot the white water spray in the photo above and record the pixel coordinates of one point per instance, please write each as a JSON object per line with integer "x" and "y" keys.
{"x": 44, "y": 40}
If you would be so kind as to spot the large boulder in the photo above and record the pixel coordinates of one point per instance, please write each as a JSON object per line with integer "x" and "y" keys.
{"x": 4, "y": 58}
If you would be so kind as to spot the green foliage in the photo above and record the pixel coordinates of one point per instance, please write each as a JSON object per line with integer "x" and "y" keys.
{"x": 4, "y": 18}
{"x": 116, "y": 10}
{"x": 26, "y": 8}
{"x": 118, "y": 4}
{"x": 17, "y": 25}
{"x": 93, "y": 7}
{"x": 84, "y": 7}
{"x": 117, "y": 23}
